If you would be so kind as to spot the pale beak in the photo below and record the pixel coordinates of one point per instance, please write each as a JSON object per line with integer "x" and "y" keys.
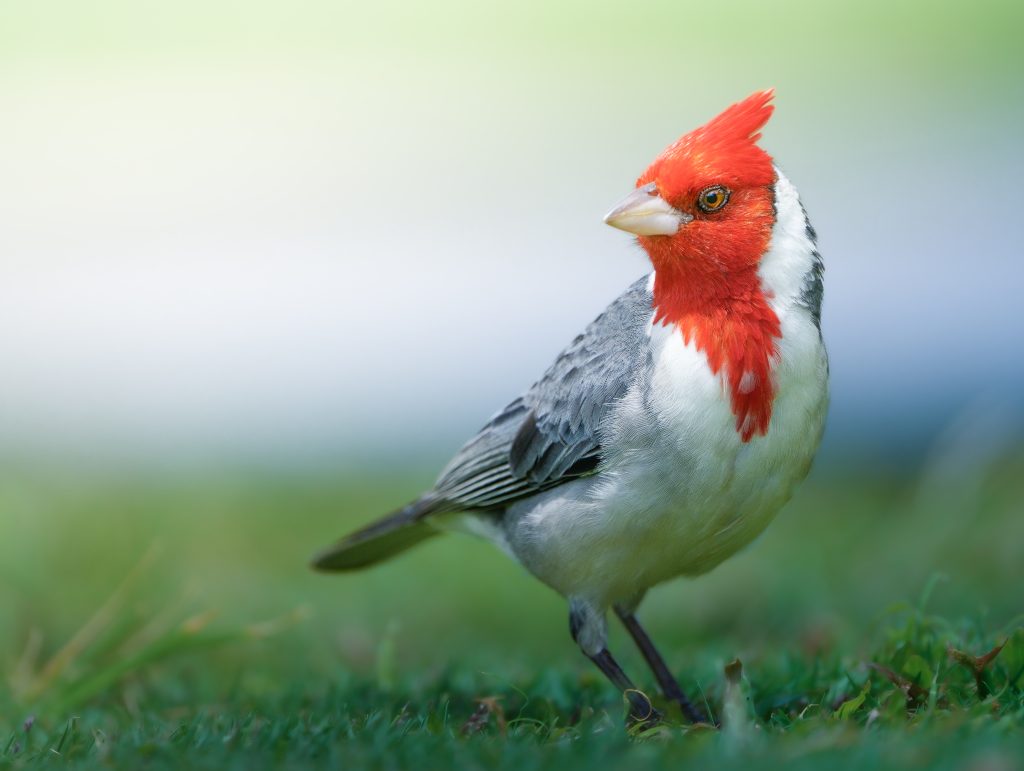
{"x": 645, "y": 213}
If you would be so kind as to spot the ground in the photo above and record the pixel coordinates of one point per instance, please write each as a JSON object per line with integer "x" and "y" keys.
{"x": 169, "y": 621}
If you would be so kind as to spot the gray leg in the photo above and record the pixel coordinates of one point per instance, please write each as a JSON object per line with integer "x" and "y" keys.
{"x": 669, "y": 685}
{"x": 589, "y": 630}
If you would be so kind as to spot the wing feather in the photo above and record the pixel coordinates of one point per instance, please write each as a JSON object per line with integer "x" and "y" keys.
{"x": 552, "y": 433}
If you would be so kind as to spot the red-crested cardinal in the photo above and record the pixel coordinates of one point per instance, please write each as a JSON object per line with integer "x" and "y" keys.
{"x": 666, "y": 436}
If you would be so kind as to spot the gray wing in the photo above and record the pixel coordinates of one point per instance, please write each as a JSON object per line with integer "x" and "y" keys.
{"x": 550, "y": 434}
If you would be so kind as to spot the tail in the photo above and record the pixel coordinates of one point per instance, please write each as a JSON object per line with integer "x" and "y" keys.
{"x": 380, "y": 540}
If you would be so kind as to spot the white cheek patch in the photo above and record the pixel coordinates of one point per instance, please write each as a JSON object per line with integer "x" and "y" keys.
{"x": 790, "y": 256}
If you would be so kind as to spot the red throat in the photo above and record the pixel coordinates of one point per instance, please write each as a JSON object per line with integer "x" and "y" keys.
{"x": 737, "y": 331}
{"x": 707, "y": 284}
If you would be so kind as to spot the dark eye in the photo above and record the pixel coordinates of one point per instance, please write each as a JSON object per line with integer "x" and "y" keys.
{"x": 713, "y": 198}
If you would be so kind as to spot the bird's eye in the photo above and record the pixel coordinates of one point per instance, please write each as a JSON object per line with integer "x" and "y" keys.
{"x": 713, "y": 198}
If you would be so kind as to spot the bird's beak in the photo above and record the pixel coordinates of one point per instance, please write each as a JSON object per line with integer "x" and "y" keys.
{"x": 645, "y": 213}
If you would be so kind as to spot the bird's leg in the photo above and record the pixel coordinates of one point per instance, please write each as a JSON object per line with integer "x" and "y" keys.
{"x": 669, "y": 685}
{"x": 590, "y": 631}
{"x": 641, "y": 711}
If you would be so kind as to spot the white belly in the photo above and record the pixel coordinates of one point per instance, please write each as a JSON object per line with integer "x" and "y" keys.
{"x": 679, "y": 490}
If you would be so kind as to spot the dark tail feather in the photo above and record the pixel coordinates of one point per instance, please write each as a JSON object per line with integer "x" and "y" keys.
{"x": 379, "y": 541}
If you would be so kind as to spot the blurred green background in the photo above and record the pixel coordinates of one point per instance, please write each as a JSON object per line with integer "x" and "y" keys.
{"x": 265, "y": 265}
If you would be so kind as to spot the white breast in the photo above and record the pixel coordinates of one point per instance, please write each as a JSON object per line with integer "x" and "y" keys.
{"x": 698, "y": 493}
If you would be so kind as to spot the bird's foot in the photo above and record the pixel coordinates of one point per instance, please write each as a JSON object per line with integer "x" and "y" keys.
{"x": 642, "y": 714}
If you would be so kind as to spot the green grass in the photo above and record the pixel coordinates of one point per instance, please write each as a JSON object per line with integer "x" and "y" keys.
{"x": 171, "y": 622}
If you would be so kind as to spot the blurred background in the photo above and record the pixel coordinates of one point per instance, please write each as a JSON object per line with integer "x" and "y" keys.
{"x": 264, "y": 265}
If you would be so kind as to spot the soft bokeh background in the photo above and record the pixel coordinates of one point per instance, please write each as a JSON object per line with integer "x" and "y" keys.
{"x": 264, "y": 265}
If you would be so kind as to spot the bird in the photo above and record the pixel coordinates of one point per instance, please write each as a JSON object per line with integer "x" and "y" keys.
{"x": 666, "y": 436}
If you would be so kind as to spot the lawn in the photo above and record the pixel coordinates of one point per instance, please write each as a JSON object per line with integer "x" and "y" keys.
{"x": 169, "y": 621}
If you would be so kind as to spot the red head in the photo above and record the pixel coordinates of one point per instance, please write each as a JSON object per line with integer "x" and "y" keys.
{"x": 704, "y": 212}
